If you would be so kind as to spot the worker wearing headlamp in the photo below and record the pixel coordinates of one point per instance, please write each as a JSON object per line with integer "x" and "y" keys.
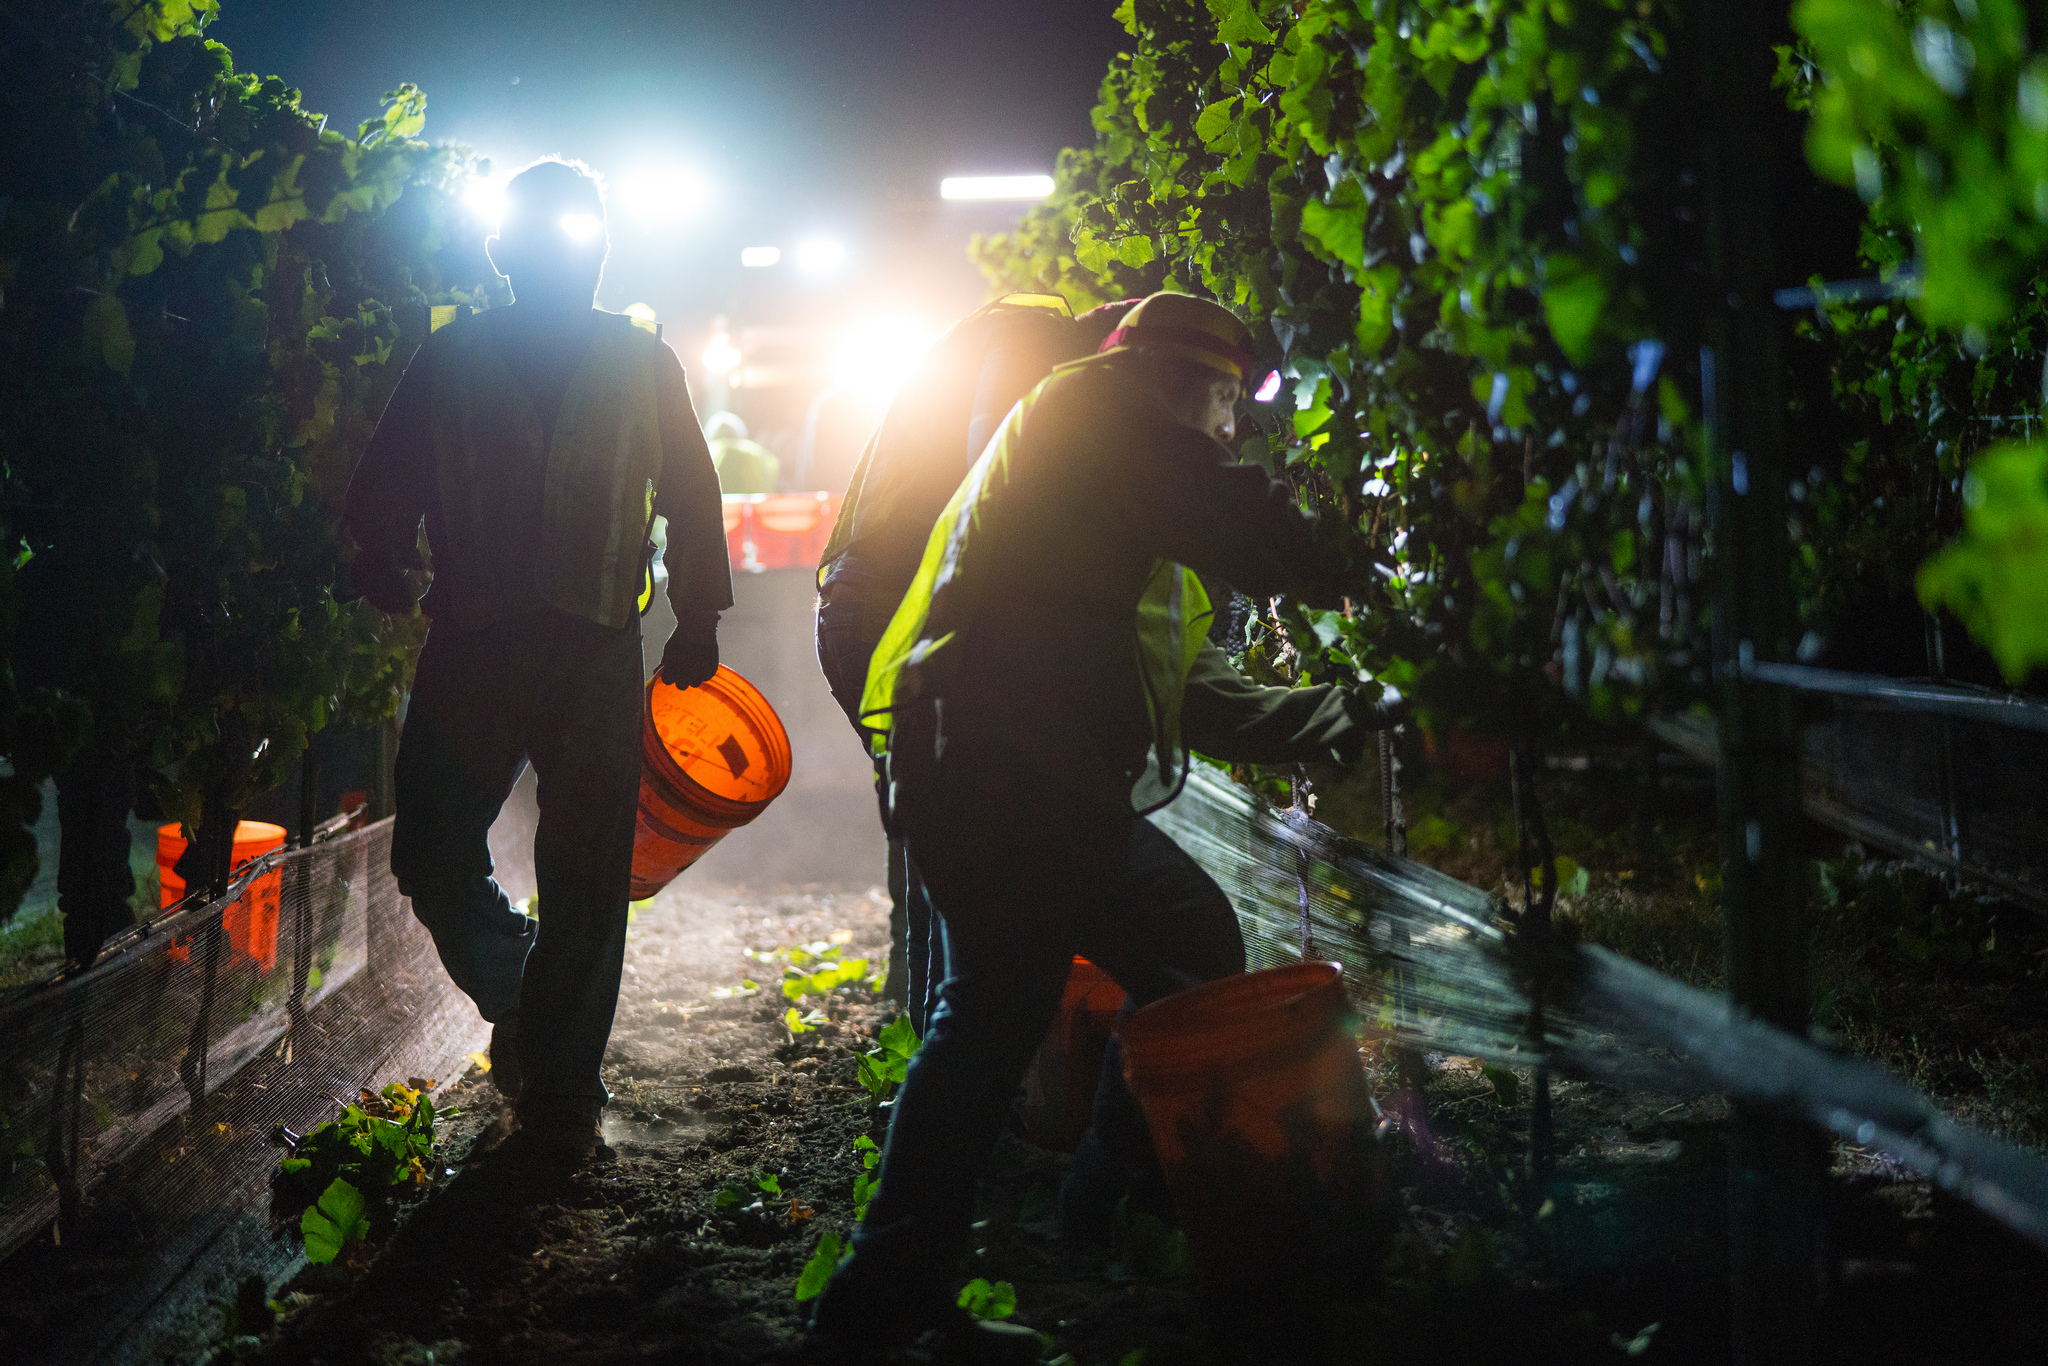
{"x": 537, "y": 443}
{"x": 1039, "y": 688}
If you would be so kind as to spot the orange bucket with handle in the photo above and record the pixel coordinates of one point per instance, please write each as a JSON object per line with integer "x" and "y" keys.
{"x": 712, "y": 758}
{"x": 1260, "y": 1113}
{"x": 251, "y": 923}
{"x": 1059, "y": 1089}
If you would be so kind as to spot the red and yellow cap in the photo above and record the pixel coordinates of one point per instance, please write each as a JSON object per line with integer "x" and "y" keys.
{"x": 1199, "y": 330}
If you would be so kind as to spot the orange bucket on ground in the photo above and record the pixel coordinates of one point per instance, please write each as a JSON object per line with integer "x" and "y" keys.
{"x": 1259, "y": 1110}
{"x": 711, "y": 759}
{"x": 251, "y": 923}
{"x": 1059, "y": 1089}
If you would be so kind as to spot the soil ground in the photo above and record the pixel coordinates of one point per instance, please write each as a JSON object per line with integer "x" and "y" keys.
{"x": 635, "y": 1259}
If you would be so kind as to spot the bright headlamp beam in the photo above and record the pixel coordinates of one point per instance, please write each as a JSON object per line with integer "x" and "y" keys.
{"x": 581, "y": 226}
{"x": 995, "y": 187}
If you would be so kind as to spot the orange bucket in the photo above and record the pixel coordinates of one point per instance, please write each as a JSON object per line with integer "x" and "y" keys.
{"x": 1260, "y": 1114}
{"x": 711, "y": 759}
{"x": 251, "y": 923}
{"x": 1059, "y": 1089}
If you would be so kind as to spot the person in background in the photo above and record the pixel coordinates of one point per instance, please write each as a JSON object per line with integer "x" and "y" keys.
{"x": 1038, "y": 689}
{"x": 536, "y": 444}
{"x": 743, "y": 465}
{"x": 934, "y": 428}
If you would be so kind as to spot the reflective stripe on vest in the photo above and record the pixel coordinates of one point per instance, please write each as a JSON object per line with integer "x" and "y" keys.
{"x": 1173, "y": 621}
{"x": 1170, "y": 625}
{"x": 601, "y": 462}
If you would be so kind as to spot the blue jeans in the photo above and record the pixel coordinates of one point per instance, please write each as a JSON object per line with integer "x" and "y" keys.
{"x": 565, "y": 694}
{"x": 1023, "y": 877}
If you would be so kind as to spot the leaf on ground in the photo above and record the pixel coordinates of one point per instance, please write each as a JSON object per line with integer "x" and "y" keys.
{"x": 831, "y": 1250}
{"x": 986, "y": 1300}
{"x": 334, "y": 1222}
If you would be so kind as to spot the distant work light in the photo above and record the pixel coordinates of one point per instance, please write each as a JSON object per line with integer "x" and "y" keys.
{"x": 995, "y": 187}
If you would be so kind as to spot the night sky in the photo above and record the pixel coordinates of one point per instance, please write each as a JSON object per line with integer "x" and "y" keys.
{"x": 803, "y": 120}
{"x": 796, "y": 111}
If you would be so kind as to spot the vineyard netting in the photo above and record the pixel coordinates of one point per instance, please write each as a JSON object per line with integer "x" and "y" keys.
{"x": 1429, "y": 964}
{"x": 1944, "y": 775}
{"x": 153, "y": 1083}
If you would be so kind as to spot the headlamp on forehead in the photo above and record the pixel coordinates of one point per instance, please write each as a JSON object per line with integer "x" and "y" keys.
{"x": 1192, "y": 329}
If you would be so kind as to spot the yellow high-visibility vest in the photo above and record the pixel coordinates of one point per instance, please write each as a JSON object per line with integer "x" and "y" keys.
{"x": 602, "y": 462}
{"x": 922, "y": 639}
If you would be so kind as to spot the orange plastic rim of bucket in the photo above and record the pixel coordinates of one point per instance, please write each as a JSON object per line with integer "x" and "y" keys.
{"x": 253, "y": 839}
{"x": 712, "y": 758}
{"x": 719, "y": 748}
{"x": 1252, "y": 1021}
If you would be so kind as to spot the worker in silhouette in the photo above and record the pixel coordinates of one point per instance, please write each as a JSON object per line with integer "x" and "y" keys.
{"x": 537, "y": 443}
{"x": 1038, "y": 689}
{"x": 936, "y": 424}
{"x": 744, "y": 465}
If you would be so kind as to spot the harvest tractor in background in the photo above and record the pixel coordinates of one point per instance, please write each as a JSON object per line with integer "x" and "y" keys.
{"x": 537, "y": 442}
{"x": 1037, "y": 689}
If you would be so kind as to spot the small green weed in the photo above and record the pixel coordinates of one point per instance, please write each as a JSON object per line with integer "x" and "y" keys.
{"x": 733, "y": 1195}
{"x": 337, "y": 1219}
{"x": 830, "y": 1252}
{"x": 988, "y": 1300}
{"x": 886, "y": 1066}
{"x": 864, "y": 1184}
{"x": 817, "y": 969}
{"x": 385, "y": 1141}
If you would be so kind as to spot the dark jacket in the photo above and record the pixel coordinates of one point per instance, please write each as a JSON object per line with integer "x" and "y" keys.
{"x": 1100, "y": 483}
{"x": 395, "y": 485}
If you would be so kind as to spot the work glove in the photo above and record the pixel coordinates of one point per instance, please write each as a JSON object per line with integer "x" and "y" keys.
{"x": 1368, "y": 715}
{"x": 691, "y": 655}
{"x": 1373, "y": 713}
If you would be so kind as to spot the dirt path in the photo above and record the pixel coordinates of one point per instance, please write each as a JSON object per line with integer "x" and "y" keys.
{"x": 641, "y": 1258}
{"x": 636, "y": 1258}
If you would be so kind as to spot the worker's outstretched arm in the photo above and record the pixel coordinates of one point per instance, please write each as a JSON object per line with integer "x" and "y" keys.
{"x": 392, "y": 489}
{"x": 1227, "y": 716}
{"x": 699, "y": 575}
{"x": 1195, "y": 505}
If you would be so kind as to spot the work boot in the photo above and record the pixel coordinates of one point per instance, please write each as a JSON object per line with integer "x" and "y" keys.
{"x": 504, "y": 1055}
{"x": 554, "y": 1139}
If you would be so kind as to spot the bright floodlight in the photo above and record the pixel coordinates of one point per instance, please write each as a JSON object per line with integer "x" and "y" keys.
{"x": 995, "y": 187}
{"x": 658, "y": 197}
{"x": 581, "y": 226}
{"x": 721, "y": 357}
{"x": 876, "y": 356}
{"x": 760, "y": 258}
{"x": 821, "y": 256}
{"x": 485, "y": 196}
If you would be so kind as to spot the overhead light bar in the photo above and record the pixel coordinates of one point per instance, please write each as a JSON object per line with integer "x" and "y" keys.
{"x": 820, "y": 256}
{"x": 995, "y": 187}
{"x": 760, "y": 258}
